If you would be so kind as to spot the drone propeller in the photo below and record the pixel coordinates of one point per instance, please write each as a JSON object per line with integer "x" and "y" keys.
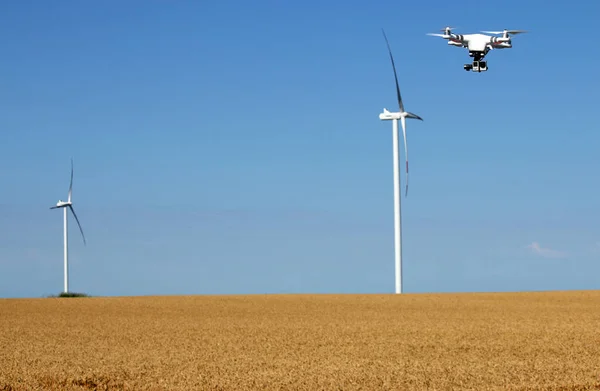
{"x": 446, "y": 30}
{"x": 512, "y": 32}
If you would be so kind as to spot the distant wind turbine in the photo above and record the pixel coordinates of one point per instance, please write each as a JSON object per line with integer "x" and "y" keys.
{"x": 68, "y": 204}
{"x": 400, "y": 115}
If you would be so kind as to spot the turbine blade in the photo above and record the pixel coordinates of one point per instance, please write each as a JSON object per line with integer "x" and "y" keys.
{"x": 413, "y": 115}
{"x": 71, "y": 183}
{"x": 400, "y": 104}
{"x": 76, "y": 219}
{"x": 403, "y": 120}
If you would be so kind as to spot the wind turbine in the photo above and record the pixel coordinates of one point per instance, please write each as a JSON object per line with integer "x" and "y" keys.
{"x": 68, "y": 205}
{"x": 394, "y": 117}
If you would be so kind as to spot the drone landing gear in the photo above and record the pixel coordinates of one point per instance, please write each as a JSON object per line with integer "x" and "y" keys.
{"x": 478, "y": 64}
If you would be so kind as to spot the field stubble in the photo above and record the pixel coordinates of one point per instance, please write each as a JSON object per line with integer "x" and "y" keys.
{"x": 492, "y": 341}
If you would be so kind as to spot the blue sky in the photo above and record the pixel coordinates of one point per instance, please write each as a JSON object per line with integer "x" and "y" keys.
{"x": 235, "y": 147}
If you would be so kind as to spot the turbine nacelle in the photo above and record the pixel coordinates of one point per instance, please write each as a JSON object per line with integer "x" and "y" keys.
{"x": 62, "y": 204}
{"x": 388, "y": 115}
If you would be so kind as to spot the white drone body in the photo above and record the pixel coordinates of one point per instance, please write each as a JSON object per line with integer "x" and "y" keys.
{"x": 479, "y": 44}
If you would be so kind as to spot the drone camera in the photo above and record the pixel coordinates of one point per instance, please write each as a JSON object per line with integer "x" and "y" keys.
{"x": 477, "y": 66}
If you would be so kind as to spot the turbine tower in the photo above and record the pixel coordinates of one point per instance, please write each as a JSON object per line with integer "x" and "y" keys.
{"x": 68, "y": 205}
{"x": 394, "y": 117}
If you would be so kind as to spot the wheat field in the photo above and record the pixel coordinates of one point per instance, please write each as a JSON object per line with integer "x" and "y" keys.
{"x": 486, "y": 341}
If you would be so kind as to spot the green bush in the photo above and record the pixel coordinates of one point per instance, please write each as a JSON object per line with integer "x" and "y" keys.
{"x": 71, "y": 294}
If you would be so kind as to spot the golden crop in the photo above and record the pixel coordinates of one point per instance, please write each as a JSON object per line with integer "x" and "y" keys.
{"x": 500, "y": 341}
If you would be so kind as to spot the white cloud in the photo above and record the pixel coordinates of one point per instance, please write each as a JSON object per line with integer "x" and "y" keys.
{"x": 545, "y": 252}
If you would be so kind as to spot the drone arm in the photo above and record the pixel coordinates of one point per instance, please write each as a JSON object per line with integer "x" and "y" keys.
{"x": 439, "y": 35}
{"x": 453, "y": 39}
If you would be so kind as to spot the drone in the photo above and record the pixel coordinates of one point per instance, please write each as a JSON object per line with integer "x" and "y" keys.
{"x": 478, "y": 44}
